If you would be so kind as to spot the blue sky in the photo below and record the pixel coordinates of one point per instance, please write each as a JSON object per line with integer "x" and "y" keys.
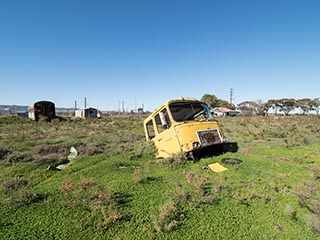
{"x": 146, "y": 52}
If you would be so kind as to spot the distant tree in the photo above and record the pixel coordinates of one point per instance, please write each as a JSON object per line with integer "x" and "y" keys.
{"x": 272, "y": 104}
{"x": 210, "y": 99}
{"x": 225, "y": 104}
{"x": 267, "y": 106}
{"x": 286, "y": 105}
{"x": 260, "y": 108}
{"x": 248, "y": 108}
{"x": 214, "y": 102}
{"x": 316, "y": 103}
{"x": 306, "y": 105}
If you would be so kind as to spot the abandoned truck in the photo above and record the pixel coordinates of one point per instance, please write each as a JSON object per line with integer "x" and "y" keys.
{"x": 183, "y": 125}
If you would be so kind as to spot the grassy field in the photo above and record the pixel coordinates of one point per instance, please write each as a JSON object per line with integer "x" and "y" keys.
{"x": 115, "y": 189}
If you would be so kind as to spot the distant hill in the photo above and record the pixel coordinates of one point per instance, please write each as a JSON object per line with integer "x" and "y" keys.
{"x": 7, "y": 109}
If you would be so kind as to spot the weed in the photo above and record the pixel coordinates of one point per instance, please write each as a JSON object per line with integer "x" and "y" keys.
{"x": 171, "y": 212}
{"x": 104, "y": 197}
{"x": 88, "y": 195}
{"x": 179, "y": 195}
{"x": 220, "y": 186}
{"x": 17, "y": 157}
{"x": 19, "y": 192}
{"x": 110, "y": 216}
{"x": 96, "y": 148}
{"x": 201, "y": 188}
{"x": 141, "y": 176}
{"x": 146, "y": 149}
{"x": 47, "y": 148}
{"x": 14, "y": 184}
{"x": 66, "y": 186}
{"x": 315, "y": 205}
{"x": 189, "y": 176}
{"x": 137, "y": 176}
{"x": 315, "y": 173}
{"x": 87, "y": 184}
{"x": 168, "y": 217}
{"x": 303, "y": 191}
{"x": 313, "y": 221}
{"x": 174, "y": 160}
{"x": 149, "y": 148}
{"x": 3, "y": 152}
{"x": 289, "y": 211}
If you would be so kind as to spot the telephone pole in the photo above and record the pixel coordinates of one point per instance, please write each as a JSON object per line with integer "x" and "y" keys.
{"x": 135, "y": 105}
{"x": 231, "y": 95}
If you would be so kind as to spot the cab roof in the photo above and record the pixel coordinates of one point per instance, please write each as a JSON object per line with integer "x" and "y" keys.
{"x": 186, "y": 99}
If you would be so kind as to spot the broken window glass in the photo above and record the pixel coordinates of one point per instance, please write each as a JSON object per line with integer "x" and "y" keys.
{"x": 190, "y": 111}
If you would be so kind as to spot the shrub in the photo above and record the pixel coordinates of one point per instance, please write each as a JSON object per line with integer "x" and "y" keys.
{"x": 86, "y": 184}
{"x": 110, "y": 215}
{"x": 3, "y": 152}
{"x": 88, "y": 195}
{"x": 315, "y": 173}
{"x": 18, "y": 157}
{"x": 66, "y": 186}
{"x": 313, "y": 221}
{"x": 145, "y": 149}
{"x": 174, "y": 160}
{"x": 290, "y": 212}
{"x": 315, "y": 205}
{"x": 201, "y": 188}
{"x": 19, "y": 192}
{"x": 141, "y": 176}
{"x": 172, "y": 211}
{"x": 14, "y": 184}
{"x": 168, "y": 217}
{"x": 303, "y": 191}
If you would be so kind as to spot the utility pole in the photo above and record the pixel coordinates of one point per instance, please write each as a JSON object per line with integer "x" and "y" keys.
{"x": 135, "y": 105}
{"x": 231, "y": 95}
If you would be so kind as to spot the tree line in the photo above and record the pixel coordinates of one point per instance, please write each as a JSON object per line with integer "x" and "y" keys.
{"x": 284, "y": 105}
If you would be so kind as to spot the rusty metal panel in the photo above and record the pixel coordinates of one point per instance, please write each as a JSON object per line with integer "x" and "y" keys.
{"x": 209, "y": 137}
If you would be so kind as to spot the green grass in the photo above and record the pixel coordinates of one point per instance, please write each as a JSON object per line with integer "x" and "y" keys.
{"x": 115, "y": 189}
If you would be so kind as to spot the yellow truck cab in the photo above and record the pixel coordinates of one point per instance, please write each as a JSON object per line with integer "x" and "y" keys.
{"x": 183, "y": 125}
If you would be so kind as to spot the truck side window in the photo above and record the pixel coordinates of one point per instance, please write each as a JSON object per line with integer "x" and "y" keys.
{"x": 150, "y": 129}
{"x": 166, "y": 116}
{"x": 162, "y": 121}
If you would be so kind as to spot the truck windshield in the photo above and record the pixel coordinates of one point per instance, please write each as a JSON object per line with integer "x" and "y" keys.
{"x": 190, "y": 111}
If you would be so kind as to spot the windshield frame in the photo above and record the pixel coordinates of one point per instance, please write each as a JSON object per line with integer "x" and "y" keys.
{"x": 184, "y": 111}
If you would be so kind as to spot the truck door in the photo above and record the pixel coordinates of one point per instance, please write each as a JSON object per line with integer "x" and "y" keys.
{"x": 166, "y": 140}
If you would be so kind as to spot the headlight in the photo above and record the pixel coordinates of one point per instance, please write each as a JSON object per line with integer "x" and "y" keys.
{"x": 195, "y": 145}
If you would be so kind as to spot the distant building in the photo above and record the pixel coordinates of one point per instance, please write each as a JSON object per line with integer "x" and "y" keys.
{"x": 86, "y": 113}
{"x": 140, "y": 110}
{"x": 221, "y": 111}
{"x": 22, "y": 114}
{"x": 45, "y": 109}
{"x": 5, "y": 111}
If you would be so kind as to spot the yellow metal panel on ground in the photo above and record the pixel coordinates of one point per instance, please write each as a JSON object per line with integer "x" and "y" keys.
{"x": 217, "y": 167}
